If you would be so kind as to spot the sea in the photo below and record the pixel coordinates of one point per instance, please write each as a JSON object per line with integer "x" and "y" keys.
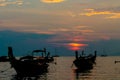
{"x": 62, "y": 68}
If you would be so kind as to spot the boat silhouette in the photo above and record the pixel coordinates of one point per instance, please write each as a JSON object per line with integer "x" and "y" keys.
{"x": 84, "y": 62}
{"x": 27, "y": 67}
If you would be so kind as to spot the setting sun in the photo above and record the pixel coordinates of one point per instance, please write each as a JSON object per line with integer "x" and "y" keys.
{"x": 76, "y": 46}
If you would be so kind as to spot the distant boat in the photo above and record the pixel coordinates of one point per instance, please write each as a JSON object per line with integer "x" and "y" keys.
{"x": 103, "y": 55}
{"x": 55, "y": 56}
{"x": 28, "y": 66}
{"x": 85, "y": 62}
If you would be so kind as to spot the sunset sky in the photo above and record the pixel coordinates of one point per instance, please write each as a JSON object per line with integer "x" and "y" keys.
{"x": 65, "y": 25}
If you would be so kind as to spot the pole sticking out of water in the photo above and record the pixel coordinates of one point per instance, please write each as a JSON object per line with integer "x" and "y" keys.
{"x": 76, "y": 54}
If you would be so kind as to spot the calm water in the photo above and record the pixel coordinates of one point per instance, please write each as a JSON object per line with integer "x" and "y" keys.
{"x": 105, "y": 69}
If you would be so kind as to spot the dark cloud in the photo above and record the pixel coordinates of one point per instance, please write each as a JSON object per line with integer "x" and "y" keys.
{"x": 112, "y": 9}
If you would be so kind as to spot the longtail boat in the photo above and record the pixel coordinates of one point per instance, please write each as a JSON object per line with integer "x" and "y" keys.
{"x": 84, "y": 62}
{"x": 27, "y": 67}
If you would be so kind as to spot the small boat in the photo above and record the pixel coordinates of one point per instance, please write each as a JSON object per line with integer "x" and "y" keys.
{"x": 103, "y": 55}
{"x": 84, "y": 62}
{"x": 28, "y": 66}
{"x": 56, "y": 55}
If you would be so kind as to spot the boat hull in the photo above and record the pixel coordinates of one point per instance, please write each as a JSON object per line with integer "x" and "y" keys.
{"x": 25, "y": 68}
{"x": 83, "y": 64}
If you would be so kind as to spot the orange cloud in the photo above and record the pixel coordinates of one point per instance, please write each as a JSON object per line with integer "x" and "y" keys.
{"x": 52, "y": 1}
{"x": 7, "y": 2}
{"x": 117, "y": 15}
{"x": 92, "y": 12}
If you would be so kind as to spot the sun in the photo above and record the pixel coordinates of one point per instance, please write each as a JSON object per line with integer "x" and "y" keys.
{"x": 76, "y": 46}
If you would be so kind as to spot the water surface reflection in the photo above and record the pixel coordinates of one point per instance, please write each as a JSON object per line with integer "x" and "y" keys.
{"x": 105, "y": 69}
{"x": 38, "y": 77}
{"x": 81, "y": 74}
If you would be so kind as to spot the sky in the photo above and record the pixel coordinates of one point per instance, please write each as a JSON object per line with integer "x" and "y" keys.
{"x": 61, "y": 26}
